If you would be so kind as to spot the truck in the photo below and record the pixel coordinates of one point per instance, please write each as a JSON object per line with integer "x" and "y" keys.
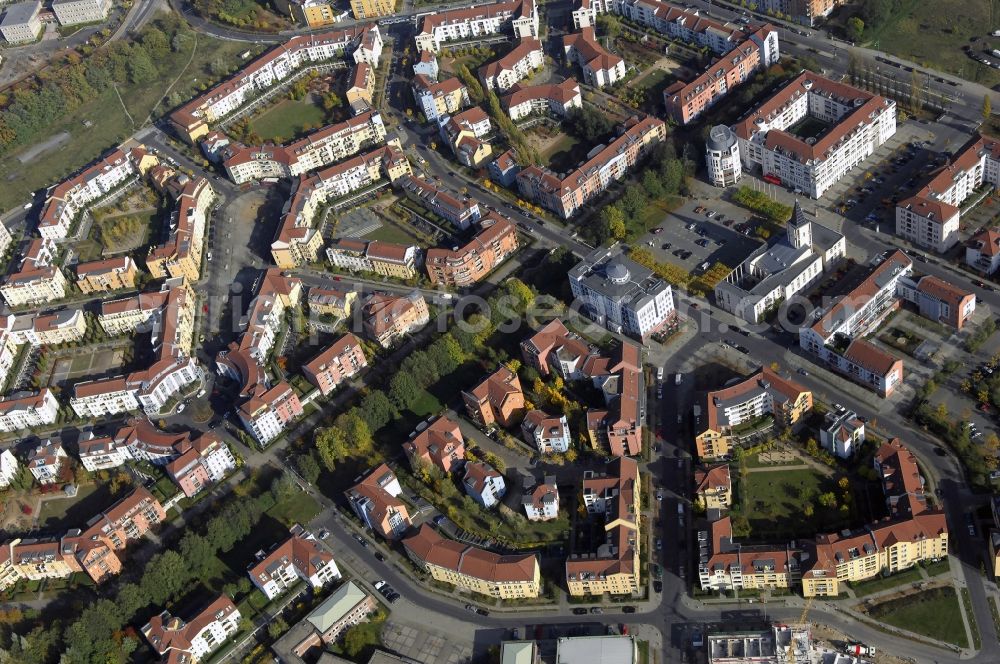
{"x": 859, "y": 649}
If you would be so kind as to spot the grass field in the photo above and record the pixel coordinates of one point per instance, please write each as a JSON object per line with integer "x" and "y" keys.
{"x": 932, "y": 34}
{"x": 879, "y": 584}
{"x": 773, "y": 501}
{"x": 934, "y": 613}
{"x": 388, "y": 232}
{"x": 109, "y": 123}
{"x": 287, "y": 119}
{"x": 564, "y": 153}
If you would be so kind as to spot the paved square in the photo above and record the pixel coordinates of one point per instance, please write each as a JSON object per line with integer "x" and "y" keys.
{"x": 424, "y": 645}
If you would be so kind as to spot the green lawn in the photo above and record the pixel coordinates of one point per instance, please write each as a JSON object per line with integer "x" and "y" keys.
{"x": 932, "y": 34}
{"x": 287, "y": 119}
{"x": 773, "y": 502}
{"x": 109, "y": 125}
{"x": 938, "y": 568}
{"x": 389, "y": 232}
{"x": 564, "y": 153}
{"x": 879, "y": 584}
{"x": 934, "y": 613}
{"x": 299, "y": 509}
{"x": 90, "y": 499}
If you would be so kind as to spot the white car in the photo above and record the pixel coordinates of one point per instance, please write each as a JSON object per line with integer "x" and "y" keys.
{"x": 201, "y": 393}
{"x": 180, "y": 408}
{"x": 379, "y": 584}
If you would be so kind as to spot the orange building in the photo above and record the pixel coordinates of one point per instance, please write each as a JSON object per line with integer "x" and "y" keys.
{"x": 496, "y": 400}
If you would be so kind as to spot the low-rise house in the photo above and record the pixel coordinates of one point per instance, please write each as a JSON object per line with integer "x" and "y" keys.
{"x": 546, "y": 432}
{"x": 8, "y": 468}
{"x": 441, "y": 445}
{"x": 300, "y": 556}
{"x": 484, "y": 484}
{"x": 480, "y": 571}
{"x": 504, "y": 169}
{"x": 375, "y": 499}
{"x": 338, "y": 363}
{"x": 106, "y": 275}
{"x": 388, "y": 318}
{"x": 498, "y": 400}
{"x": 842, "y": 433}
{"x": 467, "y": 265}
{"x": 982, "y": 251}
{"x": 45, "y": 462}
{"x": 541, "y": 502}
{"x": 426, "y": 65}
{"x": 181, "y": 642}
{"x": 713, "y": 488}
{"x": 346, "y": 607}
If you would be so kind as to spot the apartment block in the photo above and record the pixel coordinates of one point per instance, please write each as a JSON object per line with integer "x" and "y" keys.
{"x": 541, "y": 501}
{"x": 741, "y": 412}
{"x": 426, "y": 64}
{"x": 462, "y": 213}
{"x": 618, "y": 427}
{"x": 330, "y": 302}
{"x": 206, "y": 461}
{"x": 20, "y": 23}
{"x": 555, "y": 98}
{"x": 299, "y": 556}
{"x": 181, "y": 255}
{"x": 180, "y": 641}
{"x": 386, "y": 258}
{"x": 467, "y": 265}
{"x": 321, "y": 148}
{"x": 375, "y": 499}
{"x": 437, "y": 99}
{"x": 498, "y": 400}
{"x": 441, "y": 445}
{"x": 938, "y": 300}
{"x": 621, "y": 295}
{"x": 388, "y": 318}
{"x": 465, "y": 133}
{"x": 982, "y": 251}
{"x": 8, "y": 469}
{"x": 267, "y": 413}
{"x": 127, "y": 520}
{"x": 74, "y": 12}
{"x": 472, "y": 568}
{"x": 50, "y": 329}
{"x": 520, "y": 63}
{"x": 857, "y": 123}
{"x": 361, "y": 87}
{"x": 713, "y": 487}
{"x": 362, "y": 43}
{"x": 312, "y": 13}
{"x": 346, "y": 607}
{"x": 34, "y": 286}
{"x": 371, "y": 8}
{"x": 45, "y": 462}
{"x": 483, "y": 484}
{"x": 106, "y": 275}
{"x": 341, "y": 361}
{"x": 5, "y": 239}
{"x": 600, "y": 67}
{"x": 548, "y": 433}
{"x": 516, "y": 17}
{"x": 842, "y": 433}
{"x": 25, "y": 410}
{"x": 614, "y": 567}
{"x": 504, "y": 169}
{"x": 605, "y": 164}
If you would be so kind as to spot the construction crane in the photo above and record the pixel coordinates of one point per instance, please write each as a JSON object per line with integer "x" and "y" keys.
{"x": 805, "y": 610}
{"x": 790, "y": 652}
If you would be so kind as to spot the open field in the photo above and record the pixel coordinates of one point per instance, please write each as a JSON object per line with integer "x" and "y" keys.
{"x": 559, "y": 151}
{"x": 389, "y": 232}
{"x": 58, "y": 512}
{"x": 932, "y": 34}
{"x": 935, "y": 613}
{"x": 773, "y": 502}
{"x": 287, "y": 119}
{"x": 85, "y": 365}
{"x": 879, "y": 584}
{"x": 108, "y": 123}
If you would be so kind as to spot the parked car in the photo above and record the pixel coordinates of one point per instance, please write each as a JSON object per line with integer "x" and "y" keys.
{"x": 579, "y": 611}
{"x": 596, "y": 610}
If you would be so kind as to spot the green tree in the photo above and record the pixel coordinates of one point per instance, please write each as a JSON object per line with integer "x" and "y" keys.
{"x": 610, "y": 25}
{"x": 307, "y": 466}
{"x": 855, "y": 29}
{"x": 403, "y": 390}
{"x": 356, "y": 432}
{"x": 140, "y": 67}
{"x": 613, "y": 220}
{"x": 828, "y": 500}
{"x": 987, "y": 107}
{"x": 377, "y": 410}
{"x": 331, "y": 445}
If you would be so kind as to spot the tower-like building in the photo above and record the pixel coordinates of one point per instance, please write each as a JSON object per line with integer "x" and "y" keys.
{"x": 799, "y": 228}
{"x": 722, "y": 157}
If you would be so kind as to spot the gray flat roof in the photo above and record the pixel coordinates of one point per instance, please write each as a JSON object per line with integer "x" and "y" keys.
{"x": 595, "y": 650}
{"x": 20, "y": 13}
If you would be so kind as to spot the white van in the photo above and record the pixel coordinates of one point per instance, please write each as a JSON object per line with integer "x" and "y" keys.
{"x": 659, "y": 374}
{"x": 678, "y": 378}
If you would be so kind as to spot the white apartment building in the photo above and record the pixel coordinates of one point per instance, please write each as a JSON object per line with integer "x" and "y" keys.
{"x": 34, "y": 286}
{"x": 557, "y": 99}
{"x": 722, "y": 157}
{"x": 982, "y": 251}
{"x": 20, "y": 23}
{"x": 192, "y": 641}
{"x": 102, "y": 453}
{"x": 462, "y": 213}
{"x": 74, "y": 12}
{"x": 49, "y": 329}
{"x": 620, "y": 294}
{"x": 599, "y": 66}
{"x": 45, "y": 461}
{"x": 548, "y": 433}
{"x": 19, "y": 412}
{"x": 857, "y": 123}
{"x": 439, "y": 98}
{"x": 298, "y": 557}
{"x": 478, "y": 21}
{"x": 8, "y": 351}
{"x": 8, "y": 468}
{"x": 5, "y": 239}
{"x": 842, "y": 433}
{"x": 541, "y": 502}
{"x": 523, "y": 60}
{"x": 930, "y": 219}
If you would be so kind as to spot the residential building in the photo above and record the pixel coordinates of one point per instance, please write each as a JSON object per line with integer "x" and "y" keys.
{"x": 620, "y": 294}
{"x": 106, "y": 275}
{"x": 484, "y": 484}
{"x": 541, "y": 501}
{"x": 342, "y": 360}
{"x": 519, "y": 652}
{"x": 613, "y": 568}
{"x": 438, "y": 98}
{"x": 8, "y": 469}
{"x": 474, "y": 569}
{"x": 553, "y": 98}
{"x": 842, "y": 433}
{"x": 426, "y": 64}
{"x": 24, "y": 410}
{"x": 387, "y": 318}
{"x": 74, "y": 12}
{"x": 299, "y": 556}
{"x": 504, "y": 169}
{"x": 207, "y": 460}
{"x": 267, "y": 413}
{"x": 34, "y": 286}
{"x": 498, "y": 400}
{"x": 51, "y": 329}
{"x": 441, "y": 445}
{"x": 20, "y": 23}
{"x": 102, "y": 453}
{"x": 742, "y": 412}
{"x": 726, "y": 565}
{"x": 45, "y": 462}
{"x": 312, "y": 13}
{"x": 361, "y": 87}
{"x": 370, "y": 8}
{"x": 519, "y": 63}
{"x": 516, "y": 17}
{"x": 938, "y": 300}
{"x": 128, "y": 519}
{"x": 467, "y": 265}
{"x": 375, "y": 499}
{"x": 618, "y": 427}
{"x": 385, "y": 258}
{"x": 713, "y": 487}
{"x": 856, "y": 124}
{"x": 902, "y": 484}
{"x": 722, "y": 157}
{"x": 930, "y": 218}
{"x": 5, "y": 239}
{"x": 321, "y": 148}
{"x": 775, "y": 272}
{"x": 464, "y": 133}
{"x": 548, "y": 433}
{"x": 43, "y": 558}
{"x": 362, "y": 43}
{"x": 180, "y": 641}
{"x": 181, "y": 254}
{"x": 600, "y": 67}
{"x": 461, "y": 213}
{"x": 331, "y": 302}
{"x": 555, "y": 349}
{"x": 781, "y": 644}
{"x": 605, "y": 164}
{"x": 616, "y": 649}
{"x": 982, "y": 251}
{"x": 346, "y": 607}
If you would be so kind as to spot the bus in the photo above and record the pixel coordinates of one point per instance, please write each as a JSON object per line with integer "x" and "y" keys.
{"x": 773, "y": 179}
